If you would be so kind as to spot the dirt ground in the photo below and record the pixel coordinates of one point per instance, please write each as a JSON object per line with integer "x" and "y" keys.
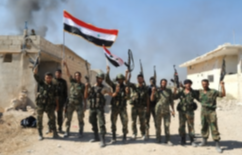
{"x": 15, "y": 140}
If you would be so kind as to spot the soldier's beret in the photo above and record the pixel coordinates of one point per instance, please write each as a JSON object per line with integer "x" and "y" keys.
{"x": 48, "y": 74}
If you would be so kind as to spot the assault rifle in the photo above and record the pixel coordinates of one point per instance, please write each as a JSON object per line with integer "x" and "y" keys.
{"x": 130, "y": 63}
{"x": 154, "y": 82}
{"x": 176, "y": 77}
{"x": 35, "y": 62}
{"x": 223, "y": 71}
{"x": 141, "y": 69}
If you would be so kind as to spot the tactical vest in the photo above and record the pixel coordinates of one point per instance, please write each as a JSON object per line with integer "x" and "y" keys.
{"x": 77, "y": 92}
{"x": 120, "y": 99}
{"x": 96, "y": 98}
{"x": 187, "y": 101}
{"x": 140, "y": 96}
{"x": 46, "y": 93}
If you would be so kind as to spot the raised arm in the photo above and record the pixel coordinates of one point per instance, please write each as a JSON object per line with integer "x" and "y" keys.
{"x": 152, "y": 96}
{"x": 86, "y": 91}
{"x": 36, "y": 76}
{"x": 67, "y": 69}
{"x": 172, "y": 104}
{"x": 108, "y": 80}
{"x": 223, "y": 89}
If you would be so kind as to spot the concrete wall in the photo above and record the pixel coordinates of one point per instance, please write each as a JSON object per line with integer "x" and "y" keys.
{"x": 16, "y": 76}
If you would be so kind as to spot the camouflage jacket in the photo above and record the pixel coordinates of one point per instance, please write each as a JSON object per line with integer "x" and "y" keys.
{"x": 139, "y": 95}
{"x": 187, "y": 100}
{"x": 120, "y": 100}
{"x": 47, "y": 93}
{"x": 163, "y": 99}
{"x": 76, "y": 91}
{"x": 62, "y": 87}
{"x": 208, "y": 99}
{"x": 96, "y": 97}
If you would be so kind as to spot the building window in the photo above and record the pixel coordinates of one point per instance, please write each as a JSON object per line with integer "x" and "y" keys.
{"x": 210, "y": 78}
{"x": 7, "y": 58}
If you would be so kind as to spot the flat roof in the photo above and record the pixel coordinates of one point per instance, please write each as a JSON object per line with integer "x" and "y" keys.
{"x": 222, "y": 50}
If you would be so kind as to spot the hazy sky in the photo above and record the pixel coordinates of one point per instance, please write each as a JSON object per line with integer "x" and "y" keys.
{"x": 159, "y": 32}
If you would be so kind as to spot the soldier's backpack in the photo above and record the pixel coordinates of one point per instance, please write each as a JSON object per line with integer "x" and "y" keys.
{"x": 29, "y": 122}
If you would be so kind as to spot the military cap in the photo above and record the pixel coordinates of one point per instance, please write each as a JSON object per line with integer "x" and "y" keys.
{"x": 100, "y": 75}
{"x": 120, "y": 76}
{"x": 48, "y": 74}
{"x": 187, "y": 81}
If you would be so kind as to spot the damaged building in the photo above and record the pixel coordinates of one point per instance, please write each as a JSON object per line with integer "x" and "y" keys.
{"x": 16, "y": 75}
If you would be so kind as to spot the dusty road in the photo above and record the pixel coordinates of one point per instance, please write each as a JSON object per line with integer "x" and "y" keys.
{"x": 15, "y": 140}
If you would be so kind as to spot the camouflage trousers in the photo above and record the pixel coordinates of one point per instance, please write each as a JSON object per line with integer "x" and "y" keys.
{"x": 80, "y": 115}
{"x": 97, "y": 117}
{"x": 147, "y": 117}
{"x": 167, "y": 119}
{"x": 138, "y": 112}
{"x": 50, "y": 111}
{"x": 209, "y": 119}
{"x": 186, "y": 117}
{"x": 122, "y": 112}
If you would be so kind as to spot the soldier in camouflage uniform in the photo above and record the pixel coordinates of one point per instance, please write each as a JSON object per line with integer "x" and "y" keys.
{"x": 207, "y": 98}
{"x": 62, "y": 96}
{"x": 46, "y": 101}
{"x": 139, "y": 104}
{"x": 151, "y": 108}
{"x": 95, "y": 95}
{"x": 186, "y": 109}
{"x": 118, "y": 102}
{"x": 76, "y": 99}
{"x": 164, "y": 100}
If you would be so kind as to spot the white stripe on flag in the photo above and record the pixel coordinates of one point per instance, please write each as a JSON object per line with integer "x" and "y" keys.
{"x": 98, "y": 35}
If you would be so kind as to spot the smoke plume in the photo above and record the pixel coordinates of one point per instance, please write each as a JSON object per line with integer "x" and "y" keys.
{"x": 36, "y": 12}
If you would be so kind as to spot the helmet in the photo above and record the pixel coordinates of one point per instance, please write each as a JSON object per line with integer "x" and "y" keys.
{"x": 120, "y": 76}
{"x": 100, "y": 75}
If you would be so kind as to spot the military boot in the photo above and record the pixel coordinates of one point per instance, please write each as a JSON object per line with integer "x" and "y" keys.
{"x": 102, "y": 143}
{"x": 40, "y": 134}
{"x": 183, "y": 140}
{"x": 67, "y": 133}
{"x": 192, "y": 142}
{"x": 158, "y": 139}
{"x": 60, "y": 129}
{"x": 204, "y": 142}
{"x": 113, "y": 138}
{"x": 96, "y": 138}
{"x": 124, "y": 138}
{"x": 55, "y": 134}
{"x": 218, "y": 147}
{"x": 168, "y": 142}
{"x": 81, "y": 132}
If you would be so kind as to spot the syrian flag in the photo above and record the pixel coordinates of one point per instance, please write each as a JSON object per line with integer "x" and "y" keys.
{"x": 95, "y": 35}
{"x": 113, "y": 59}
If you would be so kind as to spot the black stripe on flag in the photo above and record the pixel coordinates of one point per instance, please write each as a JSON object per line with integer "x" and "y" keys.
{"x": 96, "y": 41}
{"x": 112, "y": 61}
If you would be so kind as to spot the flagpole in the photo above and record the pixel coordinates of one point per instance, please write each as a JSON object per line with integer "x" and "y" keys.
{"x": 63, "y": 50}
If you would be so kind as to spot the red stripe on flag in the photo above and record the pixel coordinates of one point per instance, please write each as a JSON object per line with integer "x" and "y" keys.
{"x": 89, "y": 26}
{"x": 106, "y": 50}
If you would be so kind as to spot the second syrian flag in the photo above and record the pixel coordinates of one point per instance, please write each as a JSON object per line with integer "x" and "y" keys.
{"x": 113, "y": 59}
{"x": 98, "y": 36}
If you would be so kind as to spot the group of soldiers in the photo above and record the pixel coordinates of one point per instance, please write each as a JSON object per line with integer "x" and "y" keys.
{"x": 145, "y": 101}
